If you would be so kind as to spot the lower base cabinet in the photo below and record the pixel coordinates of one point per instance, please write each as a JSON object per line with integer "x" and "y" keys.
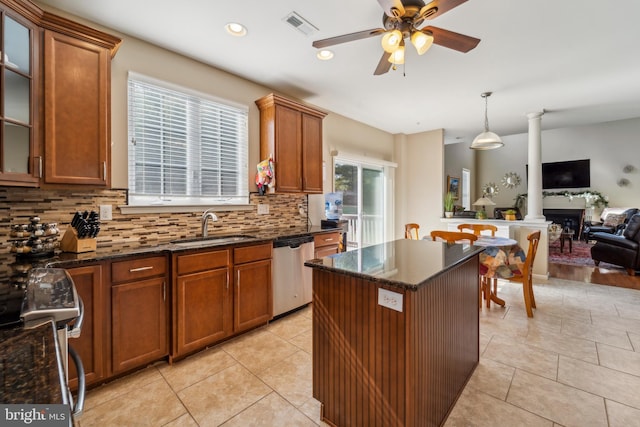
{"x": 91, "y": 345}
{"x": 139, "y": 323}
{"x": 139, "y": 312}
{"x": 204, "y": 309}
{"x": 219, "y": 293}
{"x": 253, "y": 294}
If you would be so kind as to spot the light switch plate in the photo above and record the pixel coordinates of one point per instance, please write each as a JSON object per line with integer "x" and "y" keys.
{"x": 263, "y": 209}
{"x": 389, "y": 299}
{"x": 105, "y": 213}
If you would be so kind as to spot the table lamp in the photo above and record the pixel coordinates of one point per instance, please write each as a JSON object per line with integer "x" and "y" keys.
{"x": 482, "y": 202}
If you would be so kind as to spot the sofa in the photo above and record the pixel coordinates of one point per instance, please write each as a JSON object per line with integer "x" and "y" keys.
{"x": 619, "y": 249}
{"x": 612, "y": 221}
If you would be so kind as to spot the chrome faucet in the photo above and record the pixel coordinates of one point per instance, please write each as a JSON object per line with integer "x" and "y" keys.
{"x": 205, "y": 216}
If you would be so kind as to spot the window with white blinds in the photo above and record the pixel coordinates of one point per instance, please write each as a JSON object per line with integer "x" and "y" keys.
{"x": 185, "y": 148}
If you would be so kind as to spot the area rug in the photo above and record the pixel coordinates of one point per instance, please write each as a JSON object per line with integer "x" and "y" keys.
{"x": 579, "y": 255}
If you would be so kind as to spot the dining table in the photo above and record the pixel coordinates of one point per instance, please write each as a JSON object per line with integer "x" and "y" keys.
{"x": 502, "y": 258}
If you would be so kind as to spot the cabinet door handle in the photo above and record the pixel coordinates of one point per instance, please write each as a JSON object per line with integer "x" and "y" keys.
{"x": 39, "y": 166}
{"x": 227, "y": 284}
{"x": 104, "y": 170}
{"x": 329, "y": 239}
{"x": 135, "y": 270}
{"x": 164, "y": 290}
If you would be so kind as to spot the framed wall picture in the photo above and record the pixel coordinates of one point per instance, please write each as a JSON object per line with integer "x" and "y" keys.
{"x": 453, "y": 186}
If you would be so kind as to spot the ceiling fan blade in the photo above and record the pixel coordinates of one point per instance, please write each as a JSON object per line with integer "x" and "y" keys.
{"x": 392, "y": 8}
{"x": 452, "y": 40}
{"x": 319, "y": 44}
{"x": 438, "y": 7}
{"x": 384, "y": 65}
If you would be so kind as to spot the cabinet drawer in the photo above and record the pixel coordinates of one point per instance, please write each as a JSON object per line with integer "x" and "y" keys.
{"x": 252, "y": 253}
{"x": 139, "y": 268}
{"x": 201, "y": 261}
{"x": 326, "y": 251}
{"x": 326, "y": 239}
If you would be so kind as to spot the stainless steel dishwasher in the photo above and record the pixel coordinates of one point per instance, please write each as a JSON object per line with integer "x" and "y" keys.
{"x": 292, "y": 281}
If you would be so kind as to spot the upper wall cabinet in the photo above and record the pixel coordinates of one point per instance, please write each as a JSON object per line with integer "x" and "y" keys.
{"x": 292, "y": 134}
{"x": 59, "y": 133}
{"x": 76, "y": 109}
{"x": 18, "y": 86}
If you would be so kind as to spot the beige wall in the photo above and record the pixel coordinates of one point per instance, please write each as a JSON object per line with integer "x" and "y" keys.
{"x": 419, "y": 180}
{"x": 610, "y": 146}
{"x": 420, "y": 194}
{"x": 458, "y": 157}
{"x": 135, "y": 55}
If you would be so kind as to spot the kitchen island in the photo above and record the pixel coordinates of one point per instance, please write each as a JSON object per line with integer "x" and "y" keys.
{"x": 395, "y": 332}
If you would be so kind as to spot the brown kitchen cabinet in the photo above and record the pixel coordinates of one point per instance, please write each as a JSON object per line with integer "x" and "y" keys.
{"x": 292, "y": 133}
{"x": 19, "y": 118}
{"x": 55, "y": 125}
{"x": 139, "y": 312}
{"x": 77, "y": 109}
{"x": 203, "y": 309}
{"x": 91, "y": 345}
{"x": 253, "y": 294}
{"x": 326, "y": 244}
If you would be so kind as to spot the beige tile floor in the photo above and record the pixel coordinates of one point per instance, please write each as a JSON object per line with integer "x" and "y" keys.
{"x": 576, "y": 363}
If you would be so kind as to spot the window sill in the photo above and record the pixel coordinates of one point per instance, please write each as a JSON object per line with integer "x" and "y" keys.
{"x": 134, "y": 210}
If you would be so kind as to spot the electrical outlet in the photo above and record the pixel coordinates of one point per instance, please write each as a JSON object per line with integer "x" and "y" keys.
{"x": 105, "y": 213}
{"x": 301, "y": 210}
{"x": 263, "y": 209}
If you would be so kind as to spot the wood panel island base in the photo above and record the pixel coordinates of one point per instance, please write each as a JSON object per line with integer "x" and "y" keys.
{"x": 395, "y": 332}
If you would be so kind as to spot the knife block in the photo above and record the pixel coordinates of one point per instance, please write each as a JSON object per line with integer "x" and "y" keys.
{"x": 71, "y": 243}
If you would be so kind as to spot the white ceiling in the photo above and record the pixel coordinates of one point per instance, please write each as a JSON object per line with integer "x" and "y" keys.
{"x": 579, "y": 60}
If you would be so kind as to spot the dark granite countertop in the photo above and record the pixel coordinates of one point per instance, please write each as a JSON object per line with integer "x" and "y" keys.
{"x": 31, "y": 366}
{"x": 403, "y": 263}
{"x": 13, "y": 268}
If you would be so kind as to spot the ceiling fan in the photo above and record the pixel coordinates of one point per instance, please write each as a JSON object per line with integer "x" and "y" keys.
{"x": 402, "y": 20}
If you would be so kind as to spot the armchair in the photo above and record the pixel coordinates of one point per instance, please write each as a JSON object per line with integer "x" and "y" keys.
{"x": 614, "y": 225}
{"x": 622, "y": 250}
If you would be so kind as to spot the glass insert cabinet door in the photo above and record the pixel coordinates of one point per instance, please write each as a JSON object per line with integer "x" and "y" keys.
{"x": 16, "y": 114}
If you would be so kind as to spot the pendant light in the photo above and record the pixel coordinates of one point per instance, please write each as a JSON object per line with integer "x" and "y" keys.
{"x": 487, "y": 140}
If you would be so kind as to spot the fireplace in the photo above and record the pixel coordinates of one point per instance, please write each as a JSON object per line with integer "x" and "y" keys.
{"x": 571, "y": 218}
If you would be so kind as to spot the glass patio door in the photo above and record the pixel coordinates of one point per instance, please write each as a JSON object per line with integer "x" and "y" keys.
{"x": 363, "y": 203}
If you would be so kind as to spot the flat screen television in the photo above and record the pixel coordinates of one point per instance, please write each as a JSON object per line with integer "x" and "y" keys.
{"x": 569, "y": 174}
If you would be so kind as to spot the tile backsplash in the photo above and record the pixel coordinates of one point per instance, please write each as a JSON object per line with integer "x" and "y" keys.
{"x": 18, "y": 204}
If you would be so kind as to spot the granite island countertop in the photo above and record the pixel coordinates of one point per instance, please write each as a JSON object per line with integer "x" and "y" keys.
{"x": 403, "y": 263}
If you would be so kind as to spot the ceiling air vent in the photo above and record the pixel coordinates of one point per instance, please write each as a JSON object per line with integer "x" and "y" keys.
{"x": 300, "y": 24}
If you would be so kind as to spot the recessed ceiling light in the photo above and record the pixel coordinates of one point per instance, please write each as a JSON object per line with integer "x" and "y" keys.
{"x": 236, "y": 29}
{"x": 324, "y": 54}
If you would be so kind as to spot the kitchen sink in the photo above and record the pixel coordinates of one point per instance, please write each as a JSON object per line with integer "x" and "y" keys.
{"x": 212, "y": 241}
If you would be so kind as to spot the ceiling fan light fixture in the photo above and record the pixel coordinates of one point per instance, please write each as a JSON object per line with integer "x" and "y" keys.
{"x": 391, "y": 41}
{"x": 487, "y": 140}
{"x": 421, "y": 41}
{"x": 397, "y": 57}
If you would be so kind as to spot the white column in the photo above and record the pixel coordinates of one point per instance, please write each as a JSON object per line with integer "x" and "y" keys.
{"x": 534, "y": 182}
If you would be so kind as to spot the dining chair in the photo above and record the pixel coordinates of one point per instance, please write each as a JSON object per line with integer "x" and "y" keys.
{"x": 411, "y": 230}
{"x": 453, "y": 236}
{"x": 478, "y": 228}
{"x": 526, "y": 275}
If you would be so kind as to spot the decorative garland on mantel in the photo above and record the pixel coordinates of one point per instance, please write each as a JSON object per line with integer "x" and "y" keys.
{"x": 594, "y": 197}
